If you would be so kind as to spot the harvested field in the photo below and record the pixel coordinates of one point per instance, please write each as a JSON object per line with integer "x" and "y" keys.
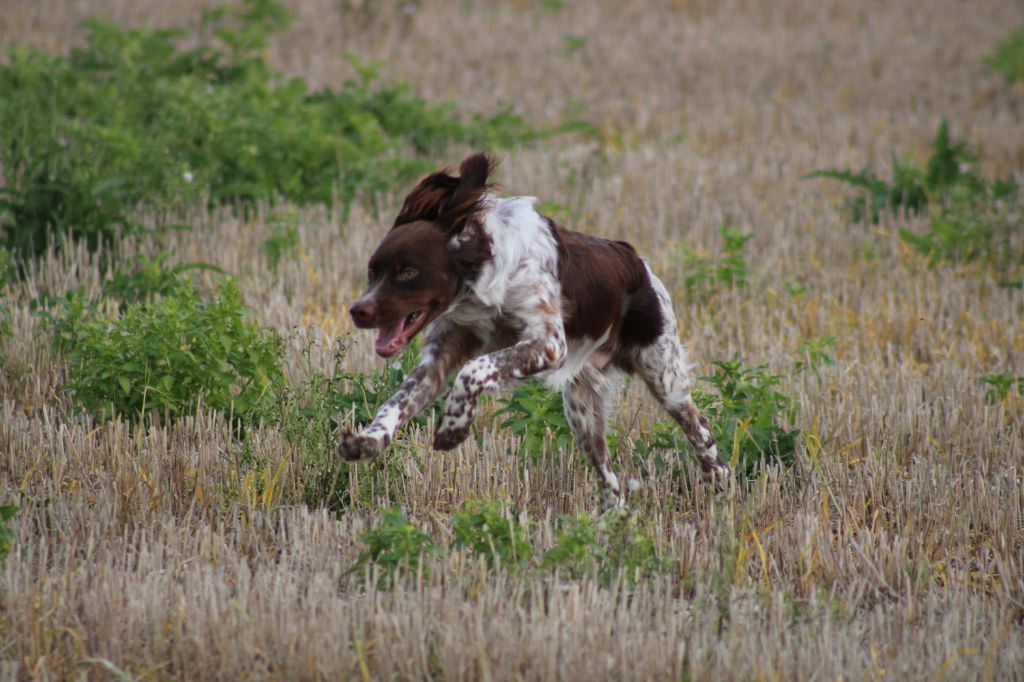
{"x": 891, "y": 548}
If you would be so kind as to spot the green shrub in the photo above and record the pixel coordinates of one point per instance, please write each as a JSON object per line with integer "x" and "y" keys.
{"x": 143, "y": 278}
{"x": 661, "y": 451}
{"x": 7, "y": 271}
{"x": 395, "y": 545}
{"x": 1008, "y": 59}
{"x": 971, "y": 217}
{"x": 283, "y": 240}
{"x": 7, "y": 536}
{"x": 613, "y": 544}
{"x": 946, "y": 173}
{"x": 536, "y": 414}
{"x": 706, "y": 275}
{"x": 167, "y": 357}
{"x": 813, "y": 354}
{"x": 1001, "y": 385}
{"x": 747, "y": 416}
{"x": 130, "y": 119}
{"x": 484, "y": 529}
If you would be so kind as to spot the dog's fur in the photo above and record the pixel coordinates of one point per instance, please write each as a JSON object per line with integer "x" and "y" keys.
{"x": 506, "y": 294}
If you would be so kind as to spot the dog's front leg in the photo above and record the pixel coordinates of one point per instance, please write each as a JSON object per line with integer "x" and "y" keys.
{"x": 490, "y": 372}
{"x": 444, "y": 349}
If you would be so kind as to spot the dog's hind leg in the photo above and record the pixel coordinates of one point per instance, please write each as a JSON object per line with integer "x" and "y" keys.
{"x": 664, "y": 369}
{"x": 663, "y": 366}
{"x": 585, "y": 399}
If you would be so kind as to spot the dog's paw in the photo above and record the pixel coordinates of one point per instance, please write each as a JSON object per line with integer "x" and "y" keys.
{"x": 612, "y": 499}
{"x": 717, "y": 474}
{"x": 358, "y": 447}
{"x": 450, "y": 434}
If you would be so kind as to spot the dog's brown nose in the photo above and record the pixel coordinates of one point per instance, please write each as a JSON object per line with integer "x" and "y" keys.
{"x": 362, "y": 313}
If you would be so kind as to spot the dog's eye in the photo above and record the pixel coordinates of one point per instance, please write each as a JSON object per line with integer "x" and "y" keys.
{"x": 407, "y": 275}
{"x": 371, "y": 274}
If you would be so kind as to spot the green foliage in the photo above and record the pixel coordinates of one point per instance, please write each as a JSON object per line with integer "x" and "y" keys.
{"x": 484, "y": 529}
{"x": 611, "y": 545}
{"x": 1001, "y": 385}
{"x": 143, "y": 278}
{"x": 283, "y": 240}
{"x": 706, "y": 275}
{"x": 1008, "y": 59}
{"x": 660, "y": 452}
{"x": 813, "y": 353}
{"x": 7, "y": 536}
{"x": 167, "y": 357}
{"x": 130, "y": 119}
{"x": 972, "y": 217}
{"x": 535, "y": 413}
{"x": 7, "y": 272}
{"x": 748, "y": 415}
{"x": 395, "y": 545}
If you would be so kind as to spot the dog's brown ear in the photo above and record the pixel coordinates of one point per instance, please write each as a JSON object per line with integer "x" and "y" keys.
{"x": 427, "y": 200}
{"x": 469, "y": 250}
{"x": 470, "y": 190}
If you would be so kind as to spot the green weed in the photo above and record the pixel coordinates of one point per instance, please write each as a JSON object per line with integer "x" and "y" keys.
{"x": 705, "y": 275}
{"x": 1001, "y": 385}
{"x": 608, "y": 546}
{"x": 972, "y": 217}
{"x": 748, "y": 416}
{"x": 486, "y": 530}
{"x": 536, "y": 414}
{"x": 7, "y": 272}
{"x": 1008, "y": 59}
{"x": 283, "y": 240}
{"x": 813, "y": 354}
{"x": 168, "y": 357}
{"x": 7, "y": 536}
{"x": 394, "y": 546}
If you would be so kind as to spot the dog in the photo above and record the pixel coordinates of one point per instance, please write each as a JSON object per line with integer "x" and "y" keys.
{"x": 504, "y": 294}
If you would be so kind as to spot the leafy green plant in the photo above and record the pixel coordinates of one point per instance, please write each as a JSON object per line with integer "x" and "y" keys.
{"x": 143, "y": 278}
{"x": 912, "y": 186}
{"x": 167, "y": 357}
{"x": 971, "y": 217}
{"x": 1008, "y": 58}
{"x": 536, "y": 414}
{"x": 130, "y": 119}
{"x": 1001, "y": 385}
{"x": 748, "y": 416}
{"x": 814, "y": 353}
{"x": 611, "y": 545}
{"x": 485, "y": 529}
{"x": 283, "y": 240}
{"x": 660, "y": 451}
{"x": 394, "y": 546}
{"x": 7, "y": 536}
{"x": 705, "y": 275}
{"x": 7, "y": 272}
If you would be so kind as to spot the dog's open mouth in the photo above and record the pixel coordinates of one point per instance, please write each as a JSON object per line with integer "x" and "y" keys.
{"x": 395, "y": 338}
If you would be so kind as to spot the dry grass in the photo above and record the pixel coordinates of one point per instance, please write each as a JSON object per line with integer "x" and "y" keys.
{"x": 894, "y": 549}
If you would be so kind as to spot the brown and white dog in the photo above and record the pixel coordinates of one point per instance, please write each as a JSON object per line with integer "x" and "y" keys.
{"x": 505, "y": 294}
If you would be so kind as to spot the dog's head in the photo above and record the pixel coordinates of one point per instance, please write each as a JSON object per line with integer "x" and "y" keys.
{"x": 436, "y": 243}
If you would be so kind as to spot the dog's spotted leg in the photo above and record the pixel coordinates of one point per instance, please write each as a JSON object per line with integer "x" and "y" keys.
{"x": 444, "y": 349}
{"x": 584, "y": 399}
{"x": 488, "y": 373}
{"x": 664, "y": 368}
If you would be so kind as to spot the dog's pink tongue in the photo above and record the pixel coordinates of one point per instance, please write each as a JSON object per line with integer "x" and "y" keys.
{"x": 390, "y": 340}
